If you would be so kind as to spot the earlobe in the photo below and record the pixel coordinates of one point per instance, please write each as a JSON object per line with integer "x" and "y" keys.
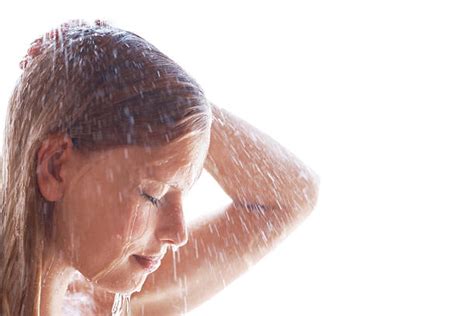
{"x": 53, "y": 152}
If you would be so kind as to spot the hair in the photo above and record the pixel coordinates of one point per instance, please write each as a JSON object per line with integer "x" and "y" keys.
{"x": 102, "y": 86}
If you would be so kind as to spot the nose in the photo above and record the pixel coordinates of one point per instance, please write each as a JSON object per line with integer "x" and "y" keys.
{"x": 171, "y": 226}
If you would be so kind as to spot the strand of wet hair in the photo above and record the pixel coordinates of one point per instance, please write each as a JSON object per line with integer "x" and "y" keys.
{"x": 56, "y": 34}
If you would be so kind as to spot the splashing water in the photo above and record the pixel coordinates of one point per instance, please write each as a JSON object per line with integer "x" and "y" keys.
{"x": 121, "y": 305}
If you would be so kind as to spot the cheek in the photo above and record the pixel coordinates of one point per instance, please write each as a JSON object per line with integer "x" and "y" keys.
{"x": 140, "y": 220}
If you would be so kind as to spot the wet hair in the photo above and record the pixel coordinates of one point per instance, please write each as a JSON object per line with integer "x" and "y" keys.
{"x": 102, "y": 86}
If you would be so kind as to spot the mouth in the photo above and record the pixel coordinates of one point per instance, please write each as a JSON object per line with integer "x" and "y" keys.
{"x": 150, "y": 264}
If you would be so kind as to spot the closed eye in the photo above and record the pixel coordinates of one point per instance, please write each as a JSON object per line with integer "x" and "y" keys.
{"x": 153, "y": 200}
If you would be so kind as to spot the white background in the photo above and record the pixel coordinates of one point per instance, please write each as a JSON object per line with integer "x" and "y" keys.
{"x": 376, "y": 96}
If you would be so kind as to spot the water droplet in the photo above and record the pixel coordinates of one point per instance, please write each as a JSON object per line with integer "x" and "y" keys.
{"x": 174, "y": 248}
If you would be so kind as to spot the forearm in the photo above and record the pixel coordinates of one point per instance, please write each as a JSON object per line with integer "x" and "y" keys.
{"x": 252, "y": 168}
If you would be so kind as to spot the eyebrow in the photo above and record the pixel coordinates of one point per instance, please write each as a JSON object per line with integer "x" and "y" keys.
{"x": 175, "y": 184}
{"x": 177, "y": 187}
{"x": 195, "y": 180}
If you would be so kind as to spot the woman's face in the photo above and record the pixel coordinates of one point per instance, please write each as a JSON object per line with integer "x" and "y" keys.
{"x": 122, "y": 209}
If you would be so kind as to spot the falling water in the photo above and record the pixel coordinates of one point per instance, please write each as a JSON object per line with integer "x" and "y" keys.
{"x": 121, "y": 305}
{"x": 260, "y": 174}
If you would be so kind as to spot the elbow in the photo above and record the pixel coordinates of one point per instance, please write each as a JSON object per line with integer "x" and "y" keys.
{"x": 308, "y": 192}
{"x": 305, "y": 193}
{"x": 299, "y": 195}
{"x": 305, "y": 196}
{"x": 312, "y": 190}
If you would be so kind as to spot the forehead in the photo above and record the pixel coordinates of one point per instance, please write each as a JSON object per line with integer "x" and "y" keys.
{"x": 178, "y": 163}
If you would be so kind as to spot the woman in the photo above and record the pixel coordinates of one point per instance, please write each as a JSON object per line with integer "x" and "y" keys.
{"x": 104, "y": 136}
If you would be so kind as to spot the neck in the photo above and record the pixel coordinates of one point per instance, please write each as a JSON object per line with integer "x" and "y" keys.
{"x": 55, "y": 277}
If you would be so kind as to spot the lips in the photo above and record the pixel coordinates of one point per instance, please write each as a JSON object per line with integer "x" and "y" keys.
{"x": 148, "y": 263}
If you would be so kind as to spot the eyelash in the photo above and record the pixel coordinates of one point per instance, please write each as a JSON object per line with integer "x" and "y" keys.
{"x": 153, "y": 200}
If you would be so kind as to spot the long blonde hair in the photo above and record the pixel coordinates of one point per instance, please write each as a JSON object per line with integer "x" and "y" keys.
{"x": 104, "y": 87}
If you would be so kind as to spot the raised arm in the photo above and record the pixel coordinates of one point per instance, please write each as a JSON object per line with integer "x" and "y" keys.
{"x": 272, "y": 192}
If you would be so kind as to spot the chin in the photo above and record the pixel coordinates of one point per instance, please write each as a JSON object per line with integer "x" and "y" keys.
{"x": 123, "y": 282}
{"x": 123, "y": 286}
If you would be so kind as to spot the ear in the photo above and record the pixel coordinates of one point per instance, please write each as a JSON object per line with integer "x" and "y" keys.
{"x": 53, "y": 153}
